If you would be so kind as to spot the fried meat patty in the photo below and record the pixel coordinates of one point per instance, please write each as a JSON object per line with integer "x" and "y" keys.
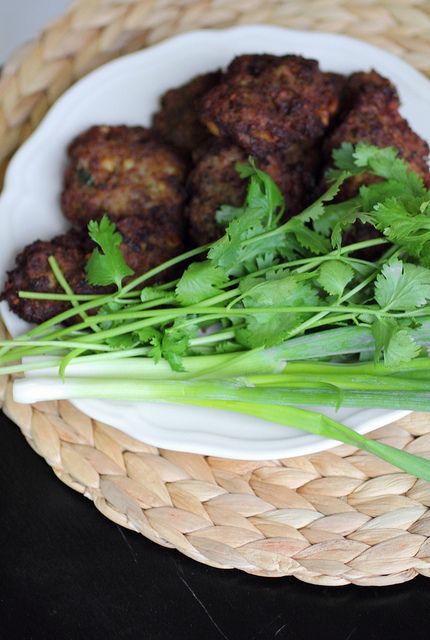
{"x": 33, "y": 273}
{"x": 122, "y": 171}
{"x": 145, "y": 245}
{"x": 178, "y": 119}
{"x": 214, "y": 181}
{"x": 371, "y": 114}
{"x": 267, "y": 103}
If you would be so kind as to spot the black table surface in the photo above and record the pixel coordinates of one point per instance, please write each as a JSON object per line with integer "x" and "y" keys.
{"x": 67, "y": 572}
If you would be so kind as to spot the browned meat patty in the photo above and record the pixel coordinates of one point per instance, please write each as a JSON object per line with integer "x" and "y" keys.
{"x": 122, "y": 171}
{"x": 266, "y": 103}
{"x": 214, "y": 181}
{"x": 376, "y": 88}
{"x": 371, "y": 114}
{"x": 178, "y": 121}
{"x": 33, "y": 273}
{"x": 144, "y": 246}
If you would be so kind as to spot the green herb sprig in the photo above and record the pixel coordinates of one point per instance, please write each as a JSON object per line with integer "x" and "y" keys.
{"x": 278, "y": 313}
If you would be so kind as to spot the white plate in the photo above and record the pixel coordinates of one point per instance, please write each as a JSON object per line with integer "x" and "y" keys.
{"x": 126, "y": 91}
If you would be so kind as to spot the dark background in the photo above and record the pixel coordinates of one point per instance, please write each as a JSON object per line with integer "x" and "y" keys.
{"x": 66, "y": 572}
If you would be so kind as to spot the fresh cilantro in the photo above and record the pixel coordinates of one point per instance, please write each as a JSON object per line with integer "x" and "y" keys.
{"x": 334, "y": 276}
{"x": 110, "y": 307}
{"x": 175, "y": 344}
{"x": 407, "y": 224}
{"x": 270, "y": 328}
{"x": 315, "y": 210}
{"x": 396, "y": 344}
{"x": 381, "y": 162}
{"x": 385, "y": 163}
{"x": 110, "y": 266}
{"x": 263, "y": 193}
{"x": 372, "y": 195}
{"x": 308, "y": 238}
{"x": 225, "y": 252}
{"x": 344, "y": 159}
{"x": 150, "y": 336}
{"x": 123, "y": 341}
{"x": 314, "y": 239}
{"x": 149, "y": 294}
{"x": 382, "y": 330}
{"x": 401, "y": 348}
{"x": 263, "y": 207}
{"x": 396, "y": 204}
{"x": 402, "y": 286}
{"x": 226, "y": 213}
{"x": 199, "y": 281}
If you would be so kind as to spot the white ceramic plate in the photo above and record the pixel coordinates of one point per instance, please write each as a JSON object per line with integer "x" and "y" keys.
{"x": 126, "y": 91}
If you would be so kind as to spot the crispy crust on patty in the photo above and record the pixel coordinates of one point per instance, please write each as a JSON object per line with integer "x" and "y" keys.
{"x": 122, "y": 171}
{"x": 144, "y": 246}
{"x": 33, "y": 273}
{"x": 212, "y": 182}
{"x": 178, "y": 119}
{"x": 267, "y": 103}
{"x": 371, "y": 114}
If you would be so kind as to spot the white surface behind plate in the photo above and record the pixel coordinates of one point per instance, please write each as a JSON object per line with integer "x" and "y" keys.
{"x": 126, "y": 91}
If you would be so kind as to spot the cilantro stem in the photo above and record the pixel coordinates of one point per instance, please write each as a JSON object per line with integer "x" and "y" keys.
{"x": 36, "y": 295}
{"x": 162, "y": 267}
{"x": 67, "y": 344}
{"x": 62, "y": 281}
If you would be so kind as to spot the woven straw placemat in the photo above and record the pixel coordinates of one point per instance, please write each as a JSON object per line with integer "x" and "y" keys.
{"x": 331, "y": 518}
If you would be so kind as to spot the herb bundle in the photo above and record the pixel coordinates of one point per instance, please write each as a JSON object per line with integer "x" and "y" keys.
{"x": 276, "y": 314}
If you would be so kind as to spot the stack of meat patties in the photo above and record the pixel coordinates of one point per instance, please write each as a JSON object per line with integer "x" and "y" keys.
{"x": 162, "y": 186}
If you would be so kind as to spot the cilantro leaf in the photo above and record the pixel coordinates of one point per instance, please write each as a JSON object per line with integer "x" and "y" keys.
{"x": 401, "y": 348}
{"x": 226, "y": 213}
{"x": 335, "y": 216}
{"x": 313, "y": 239}
{"x": 315, "y": 210}
{"x": 396, "y": 344}
{"x": 174, "y": 346}
{"x": 374, "y": 194}
{"x": 123, "y": 341}
{"x": 385, "y": 163}
{"x": 402, "y": 286}
{"x": 382, "y": 330}
{"x": 110, "y": 266}
{"x": 334, "y": 276}
{"x": 225, "y": 251}
{"x": 406, "y": 223}
{"x": 308, "y": 238}
{"x": 271, "y": 328}
{"x": 149, "y": 294}
{"x": 344, "y": 223}
{"x": 263, "y": 192}
{"x": 151, "y": 336}
{"x": 263, "y": 206}
{"x": 199, "y": 281}
{"x": 344, "y": 159}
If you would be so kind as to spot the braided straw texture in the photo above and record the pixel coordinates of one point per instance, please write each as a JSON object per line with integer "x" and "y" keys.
{"x": 331, "y": 518}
